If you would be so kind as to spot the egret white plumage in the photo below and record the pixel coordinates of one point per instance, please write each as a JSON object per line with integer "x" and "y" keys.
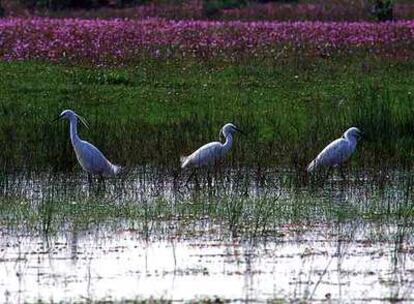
{"x": 210, "y": 153}
{"x": 89, "y": 157}
{"x": 337, "y": 151}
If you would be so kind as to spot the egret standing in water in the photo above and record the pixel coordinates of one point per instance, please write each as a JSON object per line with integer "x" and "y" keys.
{"x": 89, "y": 157}
{"x": 337, "y": 151}
{"x": 211, "y": 153}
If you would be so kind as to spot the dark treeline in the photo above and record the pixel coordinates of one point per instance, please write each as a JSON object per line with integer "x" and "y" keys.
{"x": 91, "y": 4}
{"x": 380, "y": 10}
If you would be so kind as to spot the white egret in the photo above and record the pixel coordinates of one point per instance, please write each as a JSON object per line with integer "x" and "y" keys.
{"x": 89, "y": 157}
{"x": 337, "y": 151}
{"x": 210, "y": 153}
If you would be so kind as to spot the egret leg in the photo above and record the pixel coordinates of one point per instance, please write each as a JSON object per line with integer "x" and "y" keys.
{"x": 216, "y": 175}
{"x": 191, "y": 175}
{"x": 90, "y": 180}
{"x": 209, "y": 178}
{"x": 197, "y": 184}
{"x": 328, "y": 173}
{"x": 341, "y": 171}
{"x": 175, "y": 174}
{"x": 101, "y": 183}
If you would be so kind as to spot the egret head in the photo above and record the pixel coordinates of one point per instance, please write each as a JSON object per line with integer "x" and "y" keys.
{"x": 229, "y": 129}
{"x": 353, "y": 133}
{"x": 71, "y": 115}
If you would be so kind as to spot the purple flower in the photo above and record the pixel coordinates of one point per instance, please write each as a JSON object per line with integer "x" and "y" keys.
{"x": 115, "y": 42}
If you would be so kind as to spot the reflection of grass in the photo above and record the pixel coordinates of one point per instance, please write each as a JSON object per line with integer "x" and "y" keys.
{"x": 155, "y": 112}
{"x": 207, "y": 300}
{"x": 212, "y": 211}
{"x": 134, "y": 301}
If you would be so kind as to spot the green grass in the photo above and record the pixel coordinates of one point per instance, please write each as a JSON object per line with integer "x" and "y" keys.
{"x": 156, "y": 111}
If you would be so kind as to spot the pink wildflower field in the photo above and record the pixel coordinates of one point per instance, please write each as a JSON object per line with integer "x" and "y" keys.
{"x": 115, "y": 42}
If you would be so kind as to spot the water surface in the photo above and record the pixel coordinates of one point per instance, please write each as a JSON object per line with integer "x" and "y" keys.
{"x": 235, "y": 236}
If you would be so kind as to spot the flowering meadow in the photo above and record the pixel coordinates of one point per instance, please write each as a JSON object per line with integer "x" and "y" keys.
{"x": 118, "y": 42}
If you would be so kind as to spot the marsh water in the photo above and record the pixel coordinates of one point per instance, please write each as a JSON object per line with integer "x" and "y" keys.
{"x": 234, "y": 235}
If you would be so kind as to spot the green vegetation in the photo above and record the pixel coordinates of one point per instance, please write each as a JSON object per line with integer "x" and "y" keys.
{"x": 227, "y": 209}
{"x": 383, "y": 9}
{"x": 156, "y": 111}
{"x": 212, "y": 7}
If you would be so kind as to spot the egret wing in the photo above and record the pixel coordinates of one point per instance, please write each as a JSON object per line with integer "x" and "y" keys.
{"x": 93, "y": 160}
{"x": 205, "y": 155}
{"x": 333, "y": 154}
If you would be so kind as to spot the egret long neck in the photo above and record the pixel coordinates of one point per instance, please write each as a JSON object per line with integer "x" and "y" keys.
{"x": 228, "y": 143}
{"x": 74, "y": 131}
{"x": 352, "y": 141}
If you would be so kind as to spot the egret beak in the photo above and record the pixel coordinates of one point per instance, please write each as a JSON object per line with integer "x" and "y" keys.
{"x": 83, "y": 121}
{"x": 240, "y": 131}
{"x": 56, "y": 119}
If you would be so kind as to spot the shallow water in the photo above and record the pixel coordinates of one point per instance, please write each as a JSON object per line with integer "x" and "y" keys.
{"x": 313, "y": 265}
{"x": 314, "y": 255}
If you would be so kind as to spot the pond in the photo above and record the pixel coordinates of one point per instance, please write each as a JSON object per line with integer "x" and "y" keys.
{"x": 233, "y": 235}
